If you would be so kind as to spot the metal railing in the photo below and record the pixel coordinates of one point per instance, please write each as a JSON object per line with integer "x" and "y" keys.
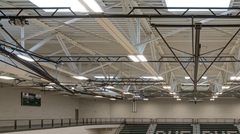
{"x": 30, "y": 124}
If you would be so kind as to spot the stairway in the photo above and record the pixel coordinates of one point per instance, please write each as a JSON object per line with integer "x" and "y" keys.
{"x": 196, "y": 128}
{"x": 151, "y": 129}
{"x": 238, "y": 127}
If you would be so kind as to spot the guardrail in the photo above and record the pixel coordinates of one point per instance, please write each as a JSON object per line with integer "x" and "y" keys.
{"x": 30, "y": 124}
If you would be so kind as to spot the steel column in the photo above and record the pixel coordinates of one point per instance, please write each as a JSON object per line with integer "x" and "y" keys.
{"x": 197, "y": 55}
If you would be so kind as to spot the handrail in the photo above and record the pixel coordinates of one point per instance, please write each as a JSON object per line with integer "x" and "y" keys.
{"x": 120, "y": 127}
{"x": 26, "y": 124}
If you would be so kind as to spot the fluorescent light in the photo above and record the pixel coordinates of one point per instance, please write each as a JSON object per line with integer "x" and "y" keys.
{"x": 112, "y": 99}
{"x": 93, "y": 5}
{"x": 103, "y": 77}
{"x": 215, "y": 97}
{"x": 172, "y": 93}
{"x": 152, "y": 77}
{"x": 6, "y": 78}
{"x": 187, "y": 77}
{"x": 126, "y": 93}
{"x": 75, "y": 5}
{"x": 218, "y": 93}
{"x": 25, "y": 58}
{"x": 137, "y": 96}
{"x": 142, "y": 58}
{"x": 204, "y": 77}
{"x": 212, "y": 99}
{"x": 178, "y": 99}
{"x": 80, "y": 77}
{"x": 233, "y": 77}
{"x": 146, "y": 99}
{"x": 167, "y": 87}
{"x": 196, "y": 3}
{"x": 133, "y": 58}
{"x": 98, "y": 96}
{"x": 225, "y": 87}
{"x": 110, "y": 87}
{"x": 49, "y": 87}
{"x": 175, "y": 96}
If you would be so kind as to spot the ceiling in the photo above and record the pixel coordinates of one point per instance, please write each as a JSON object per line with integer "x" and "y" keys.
{"x": 122, "y": 37}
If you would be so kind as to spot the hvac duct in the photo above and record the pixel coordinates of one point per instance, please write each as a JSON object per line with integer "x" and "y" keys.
{"x": 189, "y": 87}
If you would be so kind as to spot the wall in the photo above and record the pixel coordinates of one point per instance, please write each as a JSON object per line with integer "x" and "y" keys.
{"x": 67, "y": 130}
{"x": 92, "y": 129}
{"x": 53, "y": 106}
{"x": 58, "y": 106}
{"x": 160, "y": 108}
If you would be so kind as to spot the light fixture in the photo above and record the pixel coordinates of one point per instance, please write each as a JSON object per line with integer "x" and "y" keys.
{"x": 152, "y": 77}
{"x": 126, "y": 93}
{"x": 80, "y": 77}
{"x": 145, "y": 99}
{"x": 233, "y": 77}
{"x": 49, "y": 87}
{"x": 112, "y": 99}
{"x": 137, "y": 96}
{"x": 175, "y": 96}
{"x": 75, "y": 5}
{"x": 133, "y": 58}
{"x": 238, "y": 78}
{"x": 218, "y": 93}
{"x": 204, "y": 77}
{"x": 6, "y": 78}
{"x": 172, "y": 93}
{"x": 167, "y": 87}
{"x": 187, "y": 77}
{"x": 212, "y": 99}
{"x": 225, "y": 87}
{"x": 110, "y": 87}
{"x": 72, "y": 88}
{"x": 25, "y": 58}
{"x": 93, "y": 5}
{"x": 215, "y": 97}
{"x": 137, "y": 58}
{"x": 103, "y": 77}
{"x": 178, "y": 99}
{"x": 142, "y": 58}
{"x": 18, "y": 22}
{"x": 98, "y": 96}
{"x": 196, "y": 3}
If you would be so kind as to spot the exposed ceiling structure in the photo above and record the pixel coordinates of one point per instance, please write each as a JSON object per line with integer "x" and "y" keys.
{"x": 192, "y": 54}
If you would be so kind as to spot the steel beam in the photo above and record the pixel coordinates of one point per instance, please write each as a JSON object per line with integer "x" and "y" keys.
{"x": 121, "y": 16}
{"x": 71, "y": 65}
{"x": 22, "y": 36}
{"x": 205, "y": 25}
{"x": 196, "y": 55}
{"x": 48, "y": 29}
{"x": 173, "y": 53}
{"x": 41, "y": 43}
{"x": 220, "y": 53}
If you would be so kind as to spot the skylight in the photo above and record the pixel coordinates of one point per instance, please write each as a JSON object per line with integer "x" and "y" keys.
{"x": 75, "y": 5}
{"x": 93, "y": 5}
{"x": 196, "y": 3}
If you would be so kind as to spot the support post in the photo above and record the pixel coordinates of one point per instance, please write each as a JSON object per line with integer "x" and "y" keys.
{"x": 198, "y": 27}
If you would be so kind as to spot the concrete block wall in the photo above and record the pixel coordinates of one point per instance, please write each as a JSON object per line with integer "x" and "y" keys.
{"x": 52, "y": 105}
{"x": 160, "y": 108}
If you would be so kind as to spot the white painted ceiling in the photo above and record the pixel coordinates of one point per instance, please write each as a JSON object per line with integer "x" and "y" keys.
{"x": 92, "y": 35}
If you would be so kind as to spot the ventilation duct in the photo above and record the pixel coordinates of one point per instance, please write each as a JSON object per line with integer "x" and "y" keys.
{"x": 188, "y": 87}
